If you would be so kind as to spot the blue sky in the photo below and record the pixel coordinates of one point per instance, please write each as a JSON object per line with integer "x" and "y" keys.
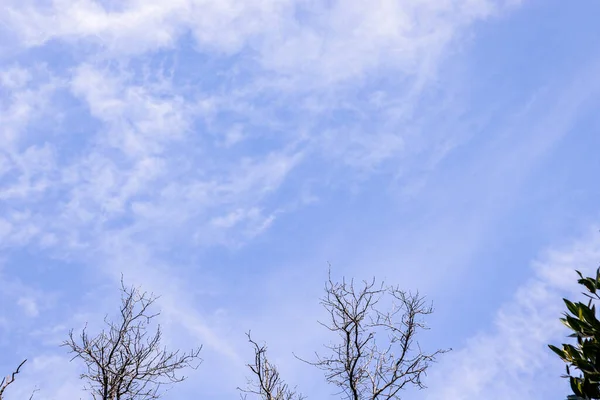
{"x": 221, "y": 153}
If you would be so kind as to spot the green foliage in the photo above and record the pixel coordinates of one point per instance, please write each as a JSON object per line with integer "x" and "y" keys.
{"x": 585, "y": 354}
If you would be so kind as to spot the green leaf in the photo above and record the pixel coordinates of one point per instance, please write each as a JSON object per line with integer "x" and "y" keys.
{"x": 576, "y": 386}
{"x": 572, "y": 307}
{"x": 589, "y": 283}
{"x": 573, "y": 354}
{"x": 574, "y": 323}
{"x": 558, "y": 351}
{"x": 586, "y": 367}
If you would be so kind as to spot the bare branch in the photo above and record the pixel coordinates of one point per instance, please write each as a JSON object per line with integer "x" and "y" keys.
{"x": 125, "y": 361}
{"x": 268, "y": 384}
{"x": 33, "y": 393}
{"x": 5, "y": 382}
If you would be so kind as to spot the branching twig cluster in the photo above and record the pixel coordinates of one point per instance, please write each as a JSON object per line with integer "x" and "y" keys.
{"x": 376, "y": 355}
{"x": 268, "y": 384}
{"x": 125, "y": 361}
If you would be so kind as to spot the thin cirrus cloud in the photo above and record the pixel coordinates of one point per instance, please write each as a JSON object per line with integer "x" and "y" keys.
{"x": 170, "y": 140}
{"x": 511, "y": 359}
{"x": 136, "y": 123}
{"x": 406, "y": 33}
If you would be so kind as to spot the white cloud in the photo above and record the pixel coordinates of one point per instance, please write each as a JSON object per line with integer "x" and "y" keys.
{"x": 512, "y": 360}
{"x": 140, "y": 120}
{"x": 14, "y": 77}
{"x": 31, "y": 169}
{"x": 345, "y": 39}
{"x": 28, "y": 305}
{"x": 27, "y": 166}
{"x": 26, "y": 95}
{"x": 151, "y": 124}
{"x": 326, "y": 41}
{"x": 138, "y": 26}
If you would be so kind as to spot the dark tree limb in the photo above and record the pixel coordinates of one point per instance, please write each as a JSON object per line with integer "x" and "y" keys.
{"x": 5, "y": 382}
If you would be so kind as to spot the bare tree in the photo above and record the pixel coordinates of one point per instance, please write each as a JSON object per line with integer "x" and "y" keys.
{"x": 376, "y": 354}
{"x": 268, "y": 384}
{"x": 5, "y": 382}
{"x": 125, "y": 361}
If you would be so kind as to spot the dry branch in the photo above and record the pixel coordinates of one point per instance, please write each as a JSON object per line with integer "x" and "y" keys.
{"x": 268, "y": 384}
{"x": 5, "y": 382}
{"x": 126, "y": 361}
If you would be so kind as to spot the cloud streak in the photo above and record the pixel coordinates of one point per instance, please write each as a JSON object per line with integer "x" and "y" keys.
{"x": 511, "y": 359}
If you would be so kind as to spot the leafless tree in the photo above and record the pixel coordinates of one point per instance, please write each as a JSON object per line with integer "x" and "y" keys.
{"x": 376, "y": 354}
{"x": 125, "y": 361}
{"x": 267, "y": 384}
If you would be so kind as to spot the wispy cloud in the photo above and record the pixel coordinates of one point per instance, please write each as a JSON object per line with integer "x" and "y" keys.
{"x": 511, "y": 359}
{"x": 347, "y": 38}
{"x": 140, "y": 136}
